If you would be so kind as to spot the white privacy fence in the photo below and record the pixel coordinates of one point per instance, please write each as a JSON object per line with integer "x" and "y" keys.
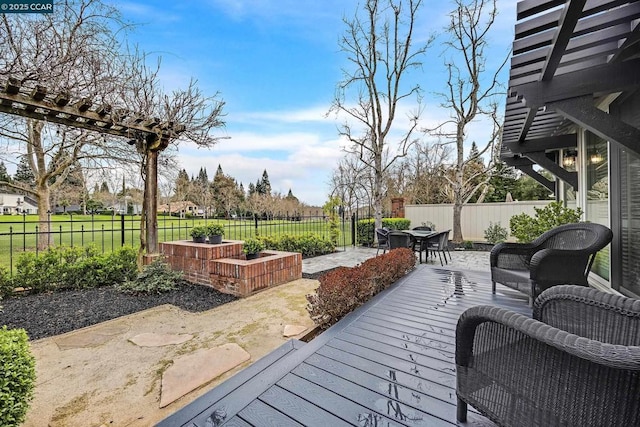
{"x": 476, "y": 217}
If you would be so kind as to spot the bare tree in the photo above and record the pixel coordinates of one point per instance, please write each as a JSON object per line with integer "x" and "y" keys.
{"x": 81, "y": 51}
{"x": 352, "y": 183}
{"x": 471, "y": 91}
{"x": 381, "y": 46}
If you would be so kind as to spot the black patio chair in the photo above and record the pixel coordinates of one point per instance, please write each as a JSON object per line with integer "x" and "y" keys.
{"x": 398, "y": 239}
{"x": 382, "y": 239}
{"x": 576, "y": 363}
{"x": 438, "y": 244}
{"x": 561, "y": 256}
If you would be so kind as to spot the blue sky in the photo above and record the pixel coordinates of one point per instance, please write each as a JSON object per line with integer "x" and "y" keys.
{"x": 276, "y": 64}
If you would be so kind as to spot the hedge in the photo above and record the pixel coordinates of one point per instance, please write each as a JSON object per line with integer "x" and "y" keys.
{"x": 344, "y": 289}
{"x": 365, "y": 228}
{"x": 308, "y": 244}
{"x": 74, "y": 268}
{"x": 17, "y": 376}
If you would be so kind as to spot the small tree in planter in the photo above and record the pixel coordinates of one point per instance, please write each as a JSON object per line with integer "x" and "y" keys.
{"x": 215, "y": 233}
{"x": 198, "y": 233}
{"x": 251, "y": 248}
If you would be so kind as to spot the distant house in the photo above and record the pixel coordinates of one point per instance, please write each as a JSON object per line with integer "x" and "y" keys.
{"x": 181, "y": 209}
{"x": 17, "y": 204}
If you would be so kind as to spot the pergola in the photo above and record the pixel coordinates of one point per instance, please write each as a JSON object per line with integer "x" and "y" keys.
{"x": 568, "y": 56}
{"x": 150, "y": 135}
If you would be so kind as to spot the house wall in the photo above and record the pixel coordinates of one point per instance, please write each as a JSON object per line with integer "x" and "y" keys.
{"x": 476, "y": 217}
{"x": 14, "y": 204}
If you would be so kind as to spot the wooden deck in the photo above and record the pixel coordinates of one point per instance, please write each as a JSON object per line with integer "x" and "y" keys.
{"x": 391, "y": 362}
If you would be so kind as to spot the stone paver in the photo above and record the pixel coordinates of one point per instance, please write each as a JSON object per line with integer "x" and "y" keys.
{"x": 93, "y": 336}
{"x": 293, "y": 330}
{"x": 191, "y": 371}
{"x": 151, "y": 339}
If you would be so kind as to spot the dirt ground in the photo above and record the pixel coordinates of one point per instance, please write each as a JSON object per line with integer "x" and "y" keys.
{"x": 96, "y": 377}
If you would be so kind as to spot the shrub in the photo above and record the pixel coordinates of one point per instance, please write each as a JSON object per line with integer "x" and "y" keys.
{"x": 495, "y": 233}
{"x": 215, "y": 230}
{"x": 18, "y": 374}
{"x": 74, "y": 268}
{"x": 308, "y": 244}
{"x": 344, "y": 289}
{"x": 526, "y": 228}
{"x": 6, "y": 284}
{"x": 198, "y": 231}
{"x": 155, "y": 278}
{"x": 365, "y": 228}
{"x": 252, "y": 246}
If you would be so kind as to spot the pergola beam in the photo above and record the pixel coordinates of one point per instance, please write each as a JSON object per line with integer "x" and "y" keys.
{"x": 582, "y": 112}
{"x": 150, "y": 134}
{"x": 541, "y": 159}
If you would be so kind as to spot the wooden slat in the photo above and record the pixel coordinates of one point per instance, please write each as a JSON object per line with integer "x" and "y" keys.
{"x": 375, "y": 402}
{"x": 300, "y": 409}
{"x": 344, "y": 409}
{"x": 258, "y": 413}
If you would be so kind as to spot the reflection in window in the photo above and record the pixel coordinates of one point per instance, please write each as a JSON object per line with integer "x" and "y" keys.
{"x": 630, "y": 221}
{"x": 597, "y": 190}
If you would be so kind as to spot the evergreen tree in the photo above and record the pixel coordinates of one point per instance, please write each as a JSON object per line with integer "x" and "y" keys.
{"x": 266, "y": 185}
{"x": 252, "y": 189}
{"x": 104, "y": 188}
{"x": 4, "y": 175}
{"x": 219, "y": 171}
{"x": 290, "y": 196}
{"x": 203, "y": 178}
{"x": 24, "y": 173}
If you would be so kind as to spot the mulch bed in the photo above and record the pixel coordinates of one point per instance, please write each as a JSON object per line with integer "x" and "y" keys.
{"x": 48, "y": 314}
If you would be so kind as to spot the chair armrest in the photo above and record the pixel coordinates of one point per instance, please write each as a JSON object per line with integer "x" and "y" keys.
{"x": 611, "y": 355}
{"x": 514, "y": 256}
{"x": 590, "y": 313}
{"x": 513, "y": 368}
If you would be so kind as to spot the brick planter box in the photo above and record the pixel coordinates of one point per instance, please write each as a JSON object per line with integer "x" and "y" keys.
{"x": 225, "y": 268}
{"x": 243, "y": 277}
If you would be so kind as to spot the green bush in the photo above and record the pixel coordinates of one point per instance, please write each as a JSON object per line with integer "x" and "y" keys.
{"x": 526, "y": 228}
{"x": 308, "y": 244}
{"x": 252, "y": 246}
{"x": 365, "y": 228}
{"x": 17, "y": 376}
{"x": 198, "y": 231}
{"x": 495, "y": 233}
{"x": 344, "y": 289}
{"x": 74, "y": 268}
{"x": 215, "y": 230}
{"x": 6, "y": 283}
{"x": 155, "y": 278}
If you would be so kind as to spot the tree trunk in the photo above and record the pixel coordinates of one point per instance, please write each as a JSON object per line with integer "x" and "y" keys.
{"x": 457, "y": 216}
{"x": 45, "y": 238}
{"x": 151, "y": 203}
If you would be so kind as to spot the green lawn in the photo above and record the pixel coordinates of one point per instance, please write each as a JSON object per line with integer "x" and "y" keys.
{"x": 18, "y": 233}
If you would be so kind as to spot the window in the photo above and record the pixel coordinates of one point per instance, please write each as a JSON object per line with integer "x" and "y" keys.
{"x": 597, "y": 193}
{"x": 630, "y": 221}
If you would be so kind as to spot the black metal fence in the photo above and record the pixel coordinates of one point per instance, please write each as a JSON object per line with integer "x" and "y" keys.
{"x": 109, "y": 232}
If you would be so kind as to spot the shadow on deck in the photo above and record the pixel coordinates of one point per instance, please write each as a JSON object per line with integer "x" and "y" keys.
{"x": 390, "y": 362}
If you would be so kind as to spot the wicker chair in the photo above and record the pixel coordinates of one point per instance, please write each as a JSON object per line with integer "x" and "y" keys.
{"x": 438, "y": 243}
{"x": 398, "y": 239}
{"x": 382, "y": 240}
{"x": 577, "y": 363}
{"x": 563, "y": 255}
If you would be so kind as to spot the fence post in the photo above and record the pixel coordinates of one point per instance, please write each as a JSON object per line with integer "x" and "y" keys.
{"x": 255, "y": 218}
{"x": 353, "y": 229}
{"x": 121, "y": 229}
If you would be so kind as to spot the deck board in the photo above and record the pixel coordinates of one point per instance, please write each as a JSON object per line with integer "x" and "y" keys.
{"x": 390, "y": 362}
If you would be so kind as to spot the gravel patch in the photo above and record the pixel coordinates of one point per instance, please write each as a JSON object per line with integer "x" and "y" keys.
{"x": 49, "y": 314}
